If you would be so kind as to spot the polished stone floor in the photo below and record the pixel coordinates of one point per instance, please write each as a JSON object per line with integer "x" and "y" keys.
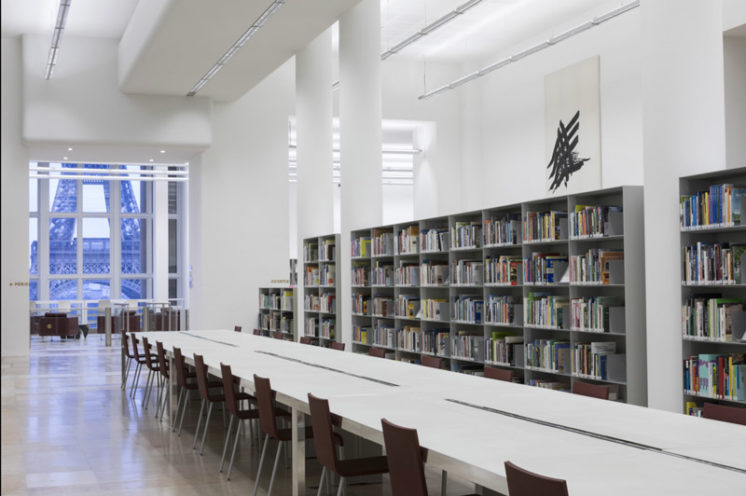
{"x": 68, "y": 429}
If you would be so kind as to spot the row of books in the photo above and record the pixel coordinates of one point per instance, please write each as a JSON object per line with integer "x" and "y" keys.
{"x": 328, "y": 303}
{"x": 720, "y": 205}
{"x": 592, "y": 360}
{"x": 360, "y": 274}
{"x": 360, "y": 247}
{"x": 468, "y": 309}
{"x": 310, "y": 252}
{"x": 597, "y": 314}
{"x": 466, "y": 234}
{"x": 549, "y": 354}
{"x": 407, "y": 275}
{"x": 504, "y": 348}
{"x": 504, "y": 310}
{"x": 407, "y": 306}
{"x": 385, "y": 307}
{"x": 434, "y": 240}
{"x": 311, "y": 302}
{"x": 382, "y": 274}
{"x": 269, "y": 300}
{"x": 384, "y": 335}
{"x": 589, "y": 221}
{"x": 435, "y": 309}
{"x": 409, "y": 338}
{"x": 327, "y": 250}
{"x": 433, "y": 273}
{"x": 544, "y": 268}
{"x": 715, "y": 263}
{"x": 716, "y": 376}
{"x": 503, "y": 270}
{"x": 383, "y": 243}
{"x": 598, "y": 266}
{"x": 468, "y": 272}
{"x": 502, "y": 231}
{"x": 360, "y": 333}
{"x": 326, "y": 328}
{"x": 435, "y": 341}
{"x": 468, "y": 346}
{"x": 546, "y": 310}
{"x": 545, "y": 226}
{"x": 360, "y": 303}
{"x": 311, "y": 276}
{"x": 713, "y": 317}
{"x": 327, "y": 275}
{"x": 407, "y": 241}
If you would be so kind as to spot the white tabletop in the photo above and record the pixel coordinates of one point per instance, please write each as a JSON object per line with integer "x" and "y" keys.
{"x": 599, "y": 447}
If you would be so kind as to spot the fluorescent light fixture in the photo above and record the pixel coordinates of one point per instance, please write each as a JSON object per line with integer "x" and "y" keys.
{"x": 115, "y": 172}
{"x": 59, "y": 27}
{"x": 258, "y": 23}
{"x": 530, "y": 51}
{"x": 69, "y": 148}
{"x": 163, "y": 151}
{"x": 440, "y": 22}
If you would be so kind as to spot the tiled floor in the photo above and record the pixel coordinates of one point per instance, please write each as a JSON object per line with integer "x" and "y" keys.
{"x": 67, "y": 428}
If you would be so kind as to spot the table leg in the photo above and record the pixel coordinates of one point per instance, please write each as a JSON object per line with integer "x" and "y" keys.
{"x": 299, "y": 452}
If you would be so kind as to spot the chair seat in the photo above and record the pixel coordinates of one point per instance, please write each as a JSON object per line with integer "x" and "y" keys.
{"x": 362, "y": 466}
{"x": 248, "y": 414}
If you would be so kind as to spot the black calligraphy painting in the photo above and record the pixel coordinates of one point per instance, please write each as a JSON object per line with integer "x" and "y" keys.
{"x": 565, "y": 160}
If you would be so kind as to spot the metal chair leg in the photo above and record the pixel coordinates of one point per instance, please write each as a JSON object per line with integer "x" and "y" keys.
{"x": 126, "y": 373}
{"x": 261, "y": 462}
{"x": 204, "y": 433}
{"x": 199, "y": 422}
{"x": 321, "y": 480}
{"x": 183, "y": 410}
{"x": 341, "y": 489}
{"x": 148, "y": 390}
{"x": 274, "y": 469}
{"x": 178, "y": 407}
{"x": 165, "y": 400}
{"x": 135, "y": 380}
{"x": 225, "y": 443}
{"x": 443, "y": 482}
{"x": 233, "y": 453}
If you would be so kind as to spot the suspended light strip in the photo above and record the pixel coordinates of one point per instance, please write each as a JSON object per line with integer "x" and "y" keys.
{"x": 530, "y": 51}
{"x": 255, "y": 26}
{"x": 440, "y": 22}
{"x": 161, "y": 172}
{"x": 112, "y": 178}
{"x": 392, "y": 151}
{"x": 59, "y": 27}
{"x": 110, "y": 172}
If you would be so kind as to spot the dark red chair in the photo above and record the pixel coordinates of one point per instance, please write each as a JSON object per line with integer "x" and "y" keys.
{"x": 139, "y": 360}
{"x": 377, "y": 352}
{"x": 151, "y": 361}
{"x": 406, "y": 460}
{"x": 326, "y": 454}
{"x": 233, "y": 401}
{"x": 208, "y": 397}
{"x": 278, "y": 335}
{"x": 257, "y": 332}
{"x": 268, "y": 413}
{"x": 237, "y": 328}
{"x": 732, "y": 414}
{"x": 499, "y": 374}
{"x": 336, "y": 345}
{"x": 306, "y": 340}
{"x": 163, "y": 390}
{"x": 128, "y": 359}
{"x": 592, "y": 390}
{"x": 521, "y": 482}
{"x": 431, "y": 361}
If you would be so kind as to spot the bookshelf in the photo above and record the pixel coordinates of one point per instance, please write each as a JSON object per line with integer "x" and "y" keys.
{"x": 713, "y": 295}
{"x": 486, "y": 288}
{"x": 277, "y": 311}
{"x": 320, "y": 288}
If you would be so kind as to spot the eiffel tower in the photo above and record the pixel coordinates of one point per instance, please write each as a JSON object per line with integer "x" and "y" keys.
{"x": 63, "y": 257}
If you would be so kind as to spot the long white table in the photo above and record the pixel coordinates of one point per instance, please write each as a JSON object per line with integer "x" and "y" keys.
{"x": 472, "y": 425}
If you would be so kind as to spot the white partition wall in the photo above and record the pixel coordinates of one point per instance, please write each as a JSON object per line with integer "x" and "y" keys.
{"x": 313, "y": 107}
{"x": 360, "y": 131}
{"x": 683, "y": 133}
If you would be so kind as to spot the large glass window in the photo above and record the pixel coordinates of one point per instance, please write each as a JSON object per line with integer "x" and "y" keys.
{"x": 96, "y": 245}
{"x": 63, "y": 245}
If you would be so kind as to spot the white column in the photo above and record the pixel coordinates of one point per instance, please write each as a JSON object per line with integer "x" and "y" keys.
{"x": 683, "y": 133}
{"x": 360, "y": 134}
{"x": 160, "y": 240}
{"x": 313, "y": 125}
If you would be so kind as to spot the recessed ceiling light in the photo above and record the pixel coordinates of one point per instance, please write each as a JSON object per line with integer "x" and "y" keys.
{"x": 69, "y": 148}
{"x": 64, "y": 158}
{"x": 151, "y": 159}
{"x": 163, "y": 151}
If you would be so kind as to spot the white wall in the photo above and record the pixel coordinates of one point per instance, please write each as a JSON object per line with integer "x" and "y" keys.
{"x": 238, "y": 227}
{"x": 14, "y": 320}
{"x": 397, "y": 203}
{"x": 512, "y": 108}
{"x": 82, "y": 103}
{"x": 734, "y": 55}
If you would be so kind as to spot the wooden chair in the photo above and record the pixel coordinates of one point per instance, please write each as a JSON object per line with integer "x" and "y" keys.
{"x": 257, "y": 332}
{"x": 128, "y": 359}
{"x": 183, "y": 376}
{"x": 151, "y": 361}
{"x": 592, "y": 390}
{"x": 233, "y": 401}
{"x": 732, "y": 414}
{"x": 163, "y": 389}
{"x": 326, "y": 454}
{"x": 521, "y": 482}
{"x": 278, "y": 335}
{"x": 499, "y": 374}
{"x": 431, "y": 361}
{"x": 237, "y": 328}
{"x": 406, "y": 460}
{"x": 139, "y": 360}
{"x": 208, "y": 397}
{"x": 377, "y": 352}
{"x": 306, "y": 340}
{"x": 336, "y": 345}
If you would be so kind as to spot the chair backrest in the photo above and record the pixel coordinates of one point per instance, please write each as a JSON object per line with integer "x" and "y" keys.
{"x": 405, "y": 460}
{"x": 336, "y": 345}
{"x": 265, "y": 400}
{"x": 237, "y": 328}
{"x": 201, "y": 372}
{"x": 146, "y": 352}
{"x": 524, "y": 483}
{"x": 592, "y": 390}
{"x": 306, "y": 340}
{"x": 431, "y": 361}
{"x": 499, "y": 374}
{"x": 257, "y": 332}
{"x": 180, "y": 367}
{"x": 162, "y": 359}
{"x": 278, "y": 335}
{"x": 323, "y": 434}
{"x": 725, "y": 413}
{"x": 126, "y": 345}
{"x": 377, "y": 352}
{"x": 230, "y": 393}
{"x": 135, "y": 351}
